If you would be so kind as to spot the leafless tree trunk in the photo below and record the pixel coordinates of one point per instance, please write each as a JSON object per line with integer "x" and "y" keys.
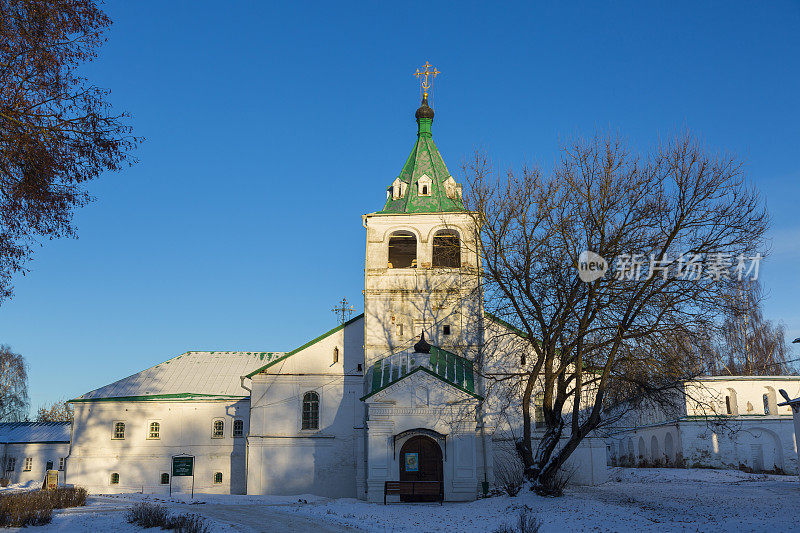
{"x": 611, "y": 337}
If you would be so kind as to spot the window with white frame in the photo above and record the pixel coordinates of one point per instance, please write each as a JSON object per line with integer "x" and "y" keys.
{"x": 28, "y": 464}
{"x": 62, "y": 462}
{"x": 119, "y": 431}
{"x": 238, "y": 428}
{"x": 11, "y": 464}
{"x": 218, "y": 429}
{"x": 154, "y": 431}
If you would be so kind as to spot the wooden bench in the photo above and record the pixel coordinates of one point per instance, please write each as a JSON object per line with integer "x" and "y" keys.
{"x": 414, "y": 488}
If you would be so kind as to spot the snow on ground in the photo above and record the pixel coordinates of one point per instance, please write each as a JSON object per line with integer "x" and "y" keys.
{"x": 632, "y": 500}
{"x": 653, "y": 499}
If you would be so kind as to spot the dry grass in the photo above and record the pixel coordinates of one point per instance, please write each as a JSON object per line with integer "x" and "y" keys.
{"x": 35, "y": 508}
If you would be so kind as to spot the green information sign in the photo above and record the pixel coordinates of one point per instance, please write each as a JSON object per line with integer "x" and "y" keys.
{"x": 182, "y": 466}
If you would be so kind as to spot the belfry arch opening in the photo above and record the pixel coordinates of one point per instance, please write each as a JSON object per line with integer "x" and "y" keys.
{"x": 402, "y": 250}
{"x": 446, "y": 249}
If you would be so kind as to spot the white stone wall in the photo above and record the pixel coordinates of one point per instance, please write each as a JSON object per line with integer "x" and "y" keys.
{"x": 40, "y": 453}
{"x": 185, "y": 428}
{"x": 285, "y": 459}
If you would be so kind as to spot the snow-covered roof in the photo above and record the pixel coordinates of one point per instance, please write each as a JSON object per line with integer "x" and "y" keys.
{"x": 192, "y": 375}
{"x": 19, "y": 432}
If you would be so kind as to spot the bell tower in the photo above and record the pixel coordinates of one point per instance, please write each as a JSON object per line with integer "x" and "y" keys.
{"x": 421, "y": 267}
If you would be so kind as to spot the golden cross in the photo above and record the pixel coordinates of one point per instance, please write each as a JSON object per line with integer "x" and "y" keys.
{"x": 427, "y": 72}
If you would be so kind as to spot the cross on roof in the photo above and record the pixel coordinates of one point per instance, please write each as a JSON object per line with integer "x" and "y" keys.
{"x": 427, "y": 72}
{"x": 342, "y": 309}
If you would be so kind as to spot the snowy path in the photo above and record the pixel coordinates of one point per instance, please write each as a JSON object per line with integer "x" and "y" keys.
{"x": 255, "y": 517}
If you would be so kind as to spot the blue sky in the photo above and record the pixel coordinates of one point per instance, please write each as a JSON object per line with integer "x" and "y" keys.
{"x": 271, "y": 127}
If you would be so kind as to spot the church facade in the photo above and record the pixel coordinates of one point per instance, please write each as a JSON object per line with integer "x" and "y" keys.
{"x": 393, "y": 394}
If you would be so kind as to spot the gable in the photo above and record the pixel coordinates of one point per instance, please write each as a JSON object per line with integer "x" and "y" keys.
{"x": 316, "y": 356}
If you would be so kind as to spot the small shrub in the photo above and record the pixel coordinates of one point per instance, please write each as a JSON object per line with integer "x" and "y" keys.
{"x": 147, "y": 515}
{"x": 64, "y": 497}
{"x": 187, "y": 523}
{"x": 526, "y": 523}
{"x": 509, "y": 477}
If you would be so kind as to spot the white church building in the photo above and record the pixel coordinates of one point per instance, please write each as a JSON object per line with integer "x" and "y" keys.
{"x": 393, "y": 394}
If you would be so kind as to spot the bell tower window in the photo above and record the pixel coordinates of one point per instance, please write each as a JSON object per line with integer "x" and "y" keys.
{"x": 402, "y": 250}
{"x": 446, "y": 249}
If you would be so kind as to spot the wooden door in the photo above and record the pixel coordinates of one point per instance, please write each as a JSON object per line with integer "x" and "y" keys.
{"x": 421, "y": 460}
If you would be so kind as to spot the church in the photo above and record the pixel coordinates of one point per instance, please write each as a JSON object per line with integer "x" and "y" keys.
{"x": 397, "y": 393}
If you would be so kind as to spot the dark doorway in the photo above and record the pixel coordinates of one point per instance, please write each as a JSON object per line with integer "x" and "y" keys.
{"x": 421, "y": 460}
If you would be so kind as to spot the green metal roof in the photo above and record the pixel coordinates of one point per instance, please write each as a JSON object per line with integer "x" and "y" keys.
{"x": 446, "y": 366}
{"x": 425, "y": 159}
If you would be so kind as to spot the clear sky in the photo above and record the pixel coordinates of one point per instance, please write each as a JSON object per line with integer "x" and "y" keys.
{"x": 272, "y": 126}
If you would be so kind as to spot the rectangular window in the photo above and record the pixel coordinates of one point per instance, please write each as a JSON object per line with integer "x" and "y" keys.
{"x": 154, "y": 431}
{"x": 119, "y": 430}
{"x": 62, "y": 461}
{"x": 217, "y": 477}
{"x": 11, "y": 464}
{"x": 115, "y": 478}
{"x": 399, "y": 330}
{"x": 28, "y": 464}
{"x": 218, "y": 429}
{"x": 238, "y": 428}
{"x": 446, "y": 330}
{"x": 165, "y": 478}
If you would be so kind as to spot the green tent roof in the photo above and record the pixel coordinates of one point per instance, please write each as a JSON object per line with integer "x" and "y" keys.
{"x": 425, "y": 160}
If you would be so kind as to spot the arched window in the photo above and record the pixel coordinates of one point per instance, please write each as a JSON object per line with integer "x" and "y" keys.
{"x": 310, "y": 410}
{"x": 238, "y": 428}
{"x": 402, "y": 250}
{"x": 335, "y": 354}
{"x": 446, "y": 249}
{"x": 165, "y": 478}
{"x": 218, "y": 429}
{"x": 731, "y": 405}
{"x": 770, "y": 402}
{"x": 115, "y": 478}
{"x": 119, "y": 430}
{"x": 155, "y": 431}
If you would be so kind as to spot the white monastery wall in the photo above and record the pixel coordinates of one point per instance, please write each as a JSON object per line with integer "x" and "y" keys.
{"x": 729, "y": 422}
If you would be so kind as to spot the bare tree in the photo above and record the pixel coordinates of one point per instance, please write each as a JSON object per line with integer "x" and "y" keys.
{"x": 59, "y": 411}
{"x": 747, "y": 343}
{"x": 57, "y": 131}
{"x": 675, "y": 207}
{"x": 13, "y": 386}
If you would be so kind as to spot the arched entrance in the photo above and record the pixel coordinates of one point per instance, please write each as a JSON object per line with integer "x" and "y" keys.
{"x": 421, "y": 460}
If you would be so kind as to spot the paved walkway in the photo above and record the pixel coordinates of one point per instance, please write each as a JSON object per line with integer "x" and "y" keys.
{"x": 254, "y": 517}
